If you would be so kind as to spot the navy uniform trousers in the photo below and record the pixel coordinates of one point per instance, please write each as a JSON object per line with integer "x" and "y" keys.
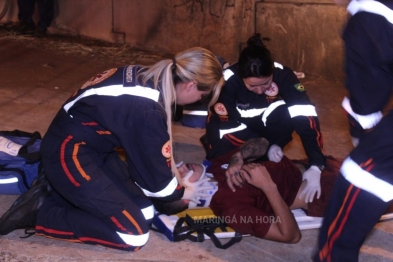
{"x": 94, "y": 199}
{"x": 353, "y": 212}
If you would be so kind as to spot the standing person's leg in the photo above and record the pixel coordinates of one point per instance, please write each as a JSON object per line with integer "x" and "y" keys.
{"x": 351, "y": 214}
{"x": 361, "y": 195}
{"x": 46, "y": 11}
{"x": 25, "y": 14}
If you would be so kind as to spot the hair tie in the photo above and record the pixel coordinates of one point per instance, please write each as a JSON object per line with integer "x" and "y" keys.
{"x": 174, "y": 64}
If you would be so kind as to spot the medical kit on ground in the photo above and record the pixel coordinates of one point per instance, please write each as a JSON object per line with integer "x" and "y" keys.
{"x": 20, "y": 161}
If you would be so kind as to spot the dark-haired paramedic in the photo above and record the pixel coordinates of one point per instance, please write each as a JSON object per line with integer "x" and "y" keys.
{"x": 262, "y": 98}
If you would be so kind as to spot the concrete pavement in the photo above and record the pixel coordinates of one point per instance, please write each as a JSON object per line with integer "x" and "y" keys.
{"x": 36, "y": 78}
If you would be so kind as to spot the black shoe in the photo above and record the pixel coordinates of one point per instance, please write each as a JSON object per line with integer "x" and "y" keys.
{"x": 23, "y": 212}
{"x": 39, "y": 33}
{"x": 25, "y": 28}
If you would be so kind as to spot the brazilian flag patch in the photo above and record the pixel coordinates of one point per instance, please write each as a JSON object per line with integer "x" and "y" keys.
{"x": 299, "y": 87}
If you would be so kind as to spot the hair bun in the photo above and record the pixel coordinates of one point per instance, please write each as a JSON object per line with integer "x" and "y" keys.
{"x": 257, "y": 40}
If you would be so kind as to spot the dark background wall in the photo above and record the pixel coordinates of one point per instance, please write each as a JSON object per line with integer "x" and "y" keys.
{"x": 304, "y": 34}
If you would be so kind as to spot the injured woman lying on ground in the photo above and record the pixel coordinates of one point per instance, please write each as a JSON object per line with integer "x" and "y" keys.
{"x": 259, "y": 198}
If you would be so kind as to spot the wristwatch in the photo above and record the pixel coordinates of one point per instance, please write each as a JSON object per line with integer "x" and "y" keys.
{"x": 321, "y": 167}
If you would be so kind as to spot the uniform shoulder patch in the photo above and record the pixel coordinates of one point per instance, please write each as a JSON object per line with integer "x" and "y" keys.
{"x": 299, "y": 87}
{"x": 272, "y": 90}
{"x": 99, "y": 78}
{"x": 166, "y": 150}
{"x": 220, "y": 109}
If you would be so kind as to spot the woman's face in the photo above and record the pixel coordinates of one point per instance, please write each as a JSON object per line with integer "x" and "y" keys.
{"x": 185, "y": 168}
{"x": 188, "y": 93}
{"x": 258, "y": 85}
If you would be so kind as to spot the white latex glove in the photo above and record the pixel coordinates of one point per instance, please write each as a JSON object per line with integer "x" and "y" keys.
{"x": 194, "y": 190}
{"x": 275, "y": 153}
{"x": 313, "y": 177}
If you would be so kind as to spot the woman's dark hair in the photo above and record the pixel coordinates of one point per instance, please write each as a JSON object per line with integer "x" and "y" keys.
{"x": 255, "y": 60}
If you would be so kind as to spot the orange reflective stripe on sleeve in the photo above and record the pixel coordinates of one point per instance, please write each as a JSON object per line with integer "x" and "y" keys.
{"x": 234, "y": 140}
{"x": 313, "y": 126}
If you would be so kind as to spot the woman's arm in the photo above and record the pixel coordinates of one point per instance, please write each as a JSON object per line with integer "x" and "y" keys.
{"x": 284, "y": 227}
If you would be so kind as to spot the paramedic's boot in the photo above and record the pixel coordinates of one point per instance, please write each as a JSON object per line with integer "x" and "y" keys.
{"x": 23, "y": 212}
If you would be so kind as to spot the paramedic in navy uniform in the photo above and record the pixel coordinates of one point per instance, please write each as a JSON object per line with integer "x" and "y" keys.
{"x": 364, "y": 188}
{"x": 262, "y": 98}
{"x": 97, "y": 198}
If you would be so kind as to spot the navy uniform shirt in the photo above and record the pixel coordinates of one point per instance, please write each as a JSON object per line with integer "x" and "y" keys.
{"x": 113, "y": 110}
{"x": 242, "y": 113}
{"x": 368, "y": 41}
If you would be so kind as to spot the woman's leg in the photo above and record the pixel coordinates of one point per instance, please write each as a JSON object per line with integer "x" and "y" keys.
{"x": 96, "y": 202}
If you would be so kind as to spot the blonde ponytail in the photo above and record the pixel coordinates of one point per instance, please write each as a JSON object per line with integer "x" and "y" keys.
{"x": 194, "y": 64}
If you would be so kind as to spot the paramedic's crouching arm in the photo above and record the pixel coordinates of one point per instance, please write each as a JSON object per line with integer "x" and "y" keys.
{"x": 286, "y": 228}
